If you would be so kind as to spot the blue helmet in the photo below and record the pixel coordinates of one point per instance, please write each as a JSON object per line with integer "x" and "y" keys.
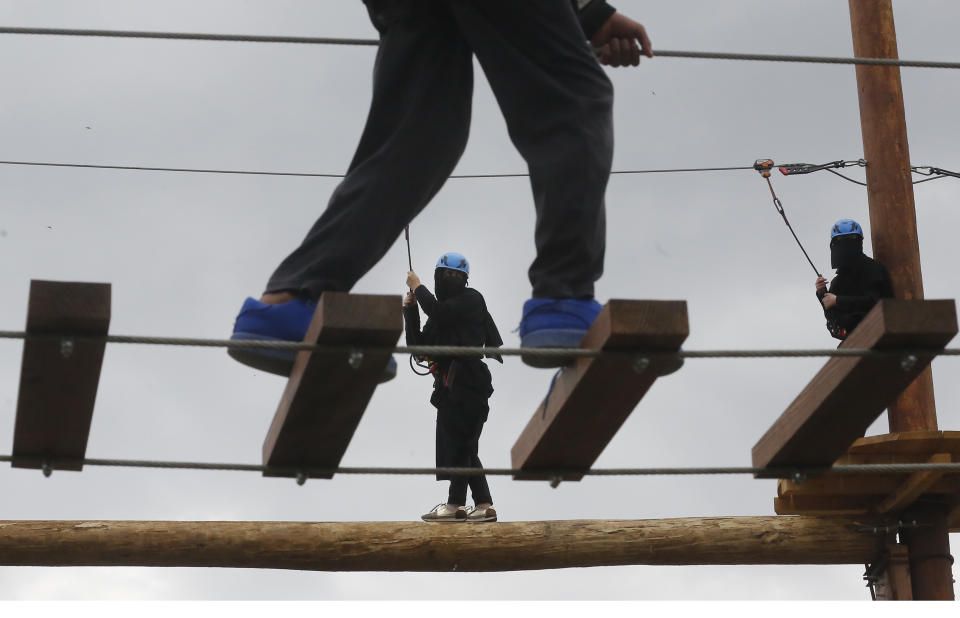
{"x": 846, "y": 227}
{"x": 454, "y": 261}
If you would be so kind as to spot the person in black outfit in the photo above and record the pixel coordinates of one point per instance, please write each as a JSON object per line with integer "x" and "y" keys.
{"x": 860, "y": 282}
{"x": 457, "y": 315}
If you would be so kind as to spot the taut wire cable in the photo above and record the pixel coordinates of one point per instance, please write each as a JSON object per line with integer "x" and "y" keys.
{"x": 447, "y": 351}
{"x": 663, "y": 53}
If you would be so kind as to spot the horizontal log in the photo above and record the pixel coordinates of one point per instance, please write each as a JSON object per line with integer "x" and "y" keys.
{"x": 416, "y": 546}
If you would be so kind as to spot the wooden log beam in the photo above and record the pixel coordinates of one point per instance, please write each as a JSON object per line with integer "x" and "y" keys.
{"x": 590, "y": 399}
{"x": 60, "y": 375}
{"x": 327, "y": 394}
{"x": 849, "y": 393}
{"x": 911, "y": 489}
{"x": 416, "y": 546}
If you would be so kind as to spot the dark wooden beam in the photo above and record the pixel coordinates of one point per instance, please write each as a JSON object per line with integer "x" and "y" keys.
{"x": 60, "y": 373}
{"x": 849, "y": 393}
{"x": 417, "y": 546}
{"x": 591, "y": 399}
{"x": 916, "y": 484}
{"x": 327, "y": 394}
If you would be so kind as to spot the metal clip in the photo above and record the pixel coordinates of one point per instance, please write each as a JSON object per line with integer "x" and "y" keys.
{"x": 47, "y": 468}
{"x": 355, "y": 359}
{"x": 641, "y": 364}
{"x": 301, "y": 477}
{"x": 66, "y": 347}
{"x": 908, "y": 362}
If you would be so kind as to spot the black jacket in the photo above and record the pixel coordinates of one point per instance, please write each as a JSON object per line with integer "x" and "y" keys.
{"x": 858, "y": 288}
{"x": 462, "y": 320}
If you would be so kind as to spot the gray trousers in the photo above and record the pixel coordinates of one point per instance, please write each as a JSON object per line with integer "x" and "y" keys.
{"x": 557, "y": 103}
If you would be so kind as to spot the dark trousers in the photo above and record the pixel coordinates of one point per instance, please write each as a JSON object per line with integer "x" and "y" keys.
{"x": 459, "y": 424}
{"x": 557, "y": 103}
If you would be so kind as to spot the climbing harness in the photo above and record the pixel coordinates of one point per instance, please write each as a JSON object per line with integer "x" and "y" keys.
{"x": 763, "y": 166}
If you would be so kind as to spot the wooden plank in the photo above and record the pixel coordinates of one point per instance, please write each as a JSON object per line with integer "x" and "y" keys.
{"x": 326, "y": 396}
{"x": 849, "y": 393}
{"x": 917, "y": 484}
{"x": 591, "y": 398}
{"x": 921, "y": 443}
{"x": 878, "y": 485}
{"x": 60, "y": 375}
{"x": 802, "y": 504}
{"x": 416, "y": 546}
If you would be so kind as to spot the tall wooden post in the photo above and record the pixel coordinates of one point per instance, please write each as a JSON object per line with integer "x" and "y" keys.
{"x": 893, "y": 224}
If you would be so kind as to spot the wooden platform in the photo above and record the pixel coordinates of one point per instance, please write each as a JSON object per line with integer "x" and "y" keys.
{"x": 60, "y": 374}
{"x": 591, "y": 399}
{"x": 880, "y": 494}
{"x": 849, "y": 393}
{"x": 327, "y": 394}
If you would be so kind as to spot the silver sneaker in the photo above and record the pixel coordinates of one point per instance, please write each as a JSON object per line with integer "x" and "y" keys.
{"x": 477, "y": 515}
{"x": 443, "y": 513}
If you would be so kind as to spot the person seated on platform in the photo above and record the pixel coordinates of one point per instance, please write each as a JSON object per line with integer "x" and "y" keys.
{"x": 457, "y": 315}
{"x": 860, "y": 282}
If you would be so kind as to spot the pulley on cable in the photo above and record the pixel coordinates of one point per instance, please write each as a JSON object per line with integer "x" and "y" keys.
{"x": 763, "y": 166}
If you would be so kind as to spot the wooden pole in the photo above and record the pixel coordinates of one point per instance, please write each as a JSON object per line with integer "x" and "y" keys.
{"x": 416, "y": 546}
{"x": 893, "y": 225}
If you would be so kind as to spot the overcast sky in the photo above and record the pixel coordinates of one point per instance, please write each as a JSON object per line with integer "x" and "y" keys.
{"x": 183, "y": 250}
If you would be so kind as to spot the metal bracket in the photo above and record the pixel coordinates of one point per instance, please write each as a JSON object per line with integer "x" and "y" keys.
{"x": 355, "y": 359}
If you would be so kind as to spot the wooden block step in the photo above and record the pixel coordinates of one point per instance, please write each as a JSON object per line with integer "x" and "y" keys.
{"x": 60, "y": 375}
{"x": 592, "y": 398}
{"x": 327, "y": 394}
{"x": 849, "y": 393}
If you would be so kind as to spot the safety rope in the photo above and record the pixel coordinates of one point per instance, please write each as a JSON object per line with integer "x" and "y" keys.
{"x": 448, "y": 351}
{"x": 792, "y": 472}
{"x": 247, "y": 38}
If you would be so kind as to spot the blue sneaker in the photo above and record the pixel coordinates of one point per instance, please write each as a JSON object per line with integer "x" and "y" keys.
{"x": 555, "y": 323}
{"x": 284, "y": 322}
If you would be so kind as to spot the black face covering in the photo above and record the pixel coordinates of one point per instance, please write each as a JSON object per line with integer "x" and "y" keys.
{"x": 845, "y": 251}
{"x": 448, "y": 286}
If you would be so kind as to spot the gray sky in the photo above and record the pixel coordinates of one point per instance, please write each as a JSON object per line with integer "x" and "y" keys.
{"x": 183, "y": 250}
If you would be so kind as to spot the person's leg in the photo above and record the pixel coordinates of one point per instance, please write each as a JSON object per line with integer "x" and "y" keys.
{"x": 557, "y": 103}
{"x": 416, "y": 131}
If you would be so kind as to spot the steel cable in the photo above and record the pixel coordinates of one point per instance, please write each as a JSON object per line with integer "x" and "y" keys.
{"x": 797, "y": 472}
{"x": 447, "y": 351}
{"x": 248, "y": 38}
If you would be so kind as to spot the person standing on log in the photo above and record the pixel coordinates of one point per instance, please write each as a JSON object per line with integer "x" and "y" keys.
{"x": 860, "y": 282}
{"x": 462, "y": 385}
{"x": 558, "y": 105}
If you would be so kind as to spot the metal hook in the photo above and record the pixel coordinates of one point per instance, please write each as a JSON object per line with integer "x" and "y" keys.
{"x": 47, "y": 468}
{"x": 66, "y": 347}
{"x": 555, "y": 481}
{"x": 908, "y": 362}
{"x": 301, "y": 477}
